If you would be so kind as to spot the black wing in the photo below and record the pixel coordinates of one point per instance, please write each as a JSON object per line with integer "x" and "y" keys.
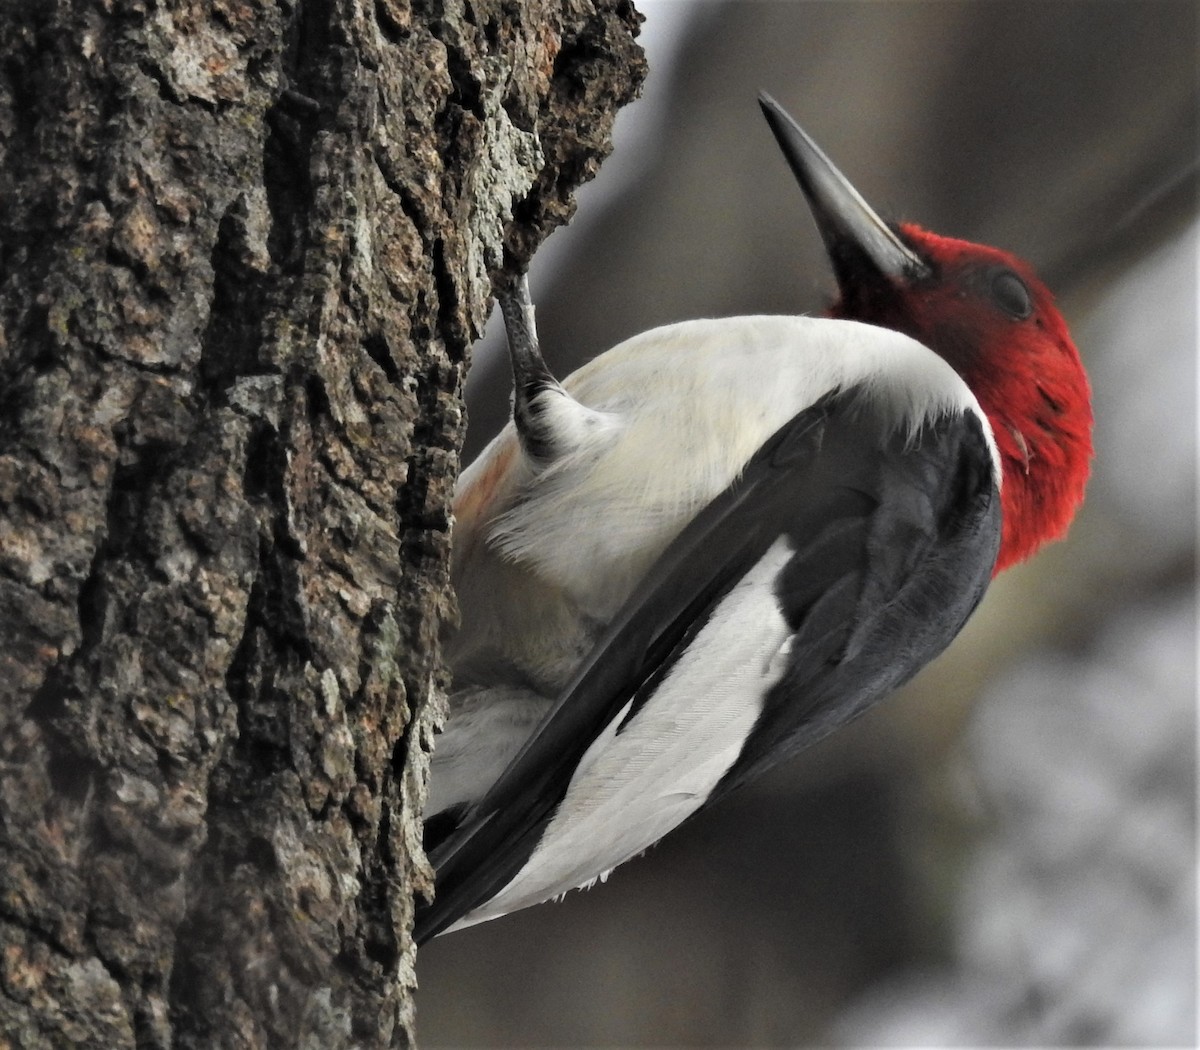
{"x": 894, "y": 539}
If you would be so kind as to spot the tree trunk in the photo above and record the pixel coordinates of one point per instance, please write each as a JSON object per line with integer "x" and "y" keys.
{"x": 244, "y": 248}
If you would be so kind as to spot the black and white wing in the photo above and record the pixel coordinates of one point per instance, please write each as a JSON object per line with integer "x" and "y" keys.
{"x": 847, "y": 555}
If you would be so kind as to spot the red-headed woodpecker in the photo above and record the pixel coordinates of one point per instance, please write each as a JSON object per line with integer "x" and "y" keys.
{"x": 722, "y": 539}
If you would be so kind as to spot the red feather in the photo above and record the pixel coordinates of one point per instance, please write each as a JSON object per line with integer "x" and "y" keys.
{"x": 1026, "y": 373}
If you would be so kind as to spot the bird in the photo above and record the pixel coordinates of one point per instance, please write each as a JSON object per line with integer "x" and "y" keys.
{"x": 719, "y": 541}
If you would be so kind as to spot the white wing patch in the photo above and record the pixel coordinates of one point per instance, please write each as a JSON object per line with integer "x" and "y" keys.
{"x": 634, "y": 786}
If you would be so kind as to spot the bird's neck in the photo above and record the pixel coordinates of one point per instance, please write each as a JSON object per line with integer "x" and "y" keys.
{"x": 1045, "y": 458}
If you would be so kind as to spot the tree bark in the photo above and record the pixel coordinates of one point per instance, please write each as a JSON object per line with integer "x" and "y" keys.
{"x": 245, "y": 246}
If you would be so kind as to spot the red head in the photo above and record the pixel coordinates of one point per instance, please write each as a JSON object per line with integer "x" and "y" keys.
{"x": 988, "y": 316}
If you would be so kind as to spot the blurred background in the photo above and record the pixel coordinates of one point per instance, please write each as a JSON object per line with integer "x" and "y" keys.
{"x": 1005, "y": 853}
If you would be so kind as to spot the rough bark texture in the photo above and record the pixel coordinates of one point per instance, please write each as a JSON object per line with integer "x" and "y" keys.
{"x": 244, "y": 248}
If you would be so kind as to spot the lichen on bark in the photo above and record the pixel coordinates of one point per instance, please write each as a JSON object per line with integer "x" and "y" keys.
{"x": 244, "y": 249}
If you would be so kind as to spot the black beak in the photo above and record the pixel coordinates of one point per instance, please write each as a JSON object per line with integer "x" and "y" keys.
{"x": 859, "y": 243}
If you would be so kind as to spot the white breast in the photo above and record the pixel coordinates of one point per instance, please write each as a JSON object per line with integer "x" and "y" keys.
{"x": 544, "y": 559}
{"x": 696, "y": 400}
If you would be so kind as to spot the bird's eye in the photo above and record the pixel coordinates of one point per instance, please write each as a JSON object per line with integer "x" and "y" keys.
{"x": 1011, "y": 295}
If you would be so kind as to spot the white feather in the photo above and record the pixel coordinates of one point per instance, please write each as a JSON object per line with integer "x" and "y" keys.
{"x": 696, "y": 400}
{"x": 634, "y": 786}
{"x": 486, "y": 730}
{"x": 543, "y": 559}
